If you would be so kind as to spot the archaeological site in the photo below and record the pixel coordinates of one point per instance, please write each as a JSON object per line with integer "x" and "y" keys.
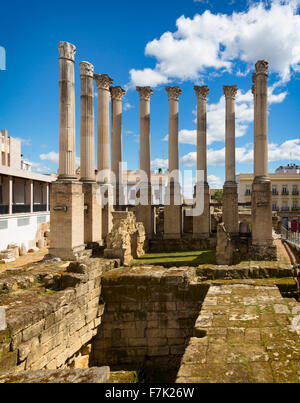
{"x": 166, "y": 291}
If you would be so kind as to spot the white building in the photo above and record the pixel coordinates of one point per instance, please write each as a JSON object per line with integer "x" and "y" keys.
{"x": 24, "y": 196}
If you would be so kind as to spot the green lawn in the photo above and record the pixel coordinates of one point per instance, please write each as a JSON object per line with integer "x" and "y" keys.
{"x": 190, "y": 258}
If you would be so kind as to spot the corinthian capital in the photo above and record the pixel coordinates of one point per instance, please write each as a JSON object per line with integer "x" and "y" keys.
{"x": 67, "y": 51}
{"x": 230, "y": 91}
{"x": 117, "y": 93}
{"x": 262, "y": 67}
{"x": 201, "y": 91}
{"x": 174, "y": 93}
{"x": 145, "y": 93}
{"x": 103, "y": 81}
{"x": 86, "y": 69}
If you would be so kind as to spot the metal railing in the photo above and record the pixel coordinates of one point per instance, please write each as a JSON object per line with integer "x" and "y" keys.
{"x": 293, "y": 237}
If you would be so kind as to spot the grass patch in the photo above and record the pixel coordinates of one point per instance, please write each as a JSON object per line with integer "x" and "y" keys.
{"x": 190, "y": 258}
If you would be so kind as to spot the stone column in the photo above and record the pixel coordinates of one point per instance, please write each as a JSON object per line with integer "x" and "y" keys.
{"x": 173, "y": 212}
{"x": 103, "y": 82}
{"x": 262, "y": 240}
{"x": 10, "y": 194}
{"x": 230, "y": 194}
{"x": 5, "y": 143}
{"x": 117, "y": 94}
{"x": 66, "y": 199}
{"x": 145, "y": 213}
{"x": 93, "y": 211}
{"x": 201, "y": 224}
{"x": 66, "y": 111}
{"x": 87, "y": 130}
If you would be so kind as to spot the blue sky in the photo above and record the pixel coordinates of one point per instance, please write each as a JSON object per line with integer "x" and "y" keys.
{"x": 157, "y": 43}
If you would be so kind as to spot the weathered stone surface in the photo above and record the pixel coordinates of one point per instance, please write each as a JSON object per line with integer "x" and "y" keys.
{"x": 127, "y": 238}
{"x": 90, "y": 375}
{"x": 225, "y": 248}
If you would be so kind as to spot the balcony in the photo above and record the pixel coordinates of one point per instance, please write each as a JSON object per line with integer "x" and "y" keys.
{"x": 275, "y": 193}
{"x": 275, "y": 208}
{"x": 4, "y": 209}
{"x": 20, "y": 208}
{"x": 295, "y": 193}
{"x": 295, "y": 208}
{"x": 285, "y": 209}
{"x": 285, "y": 193}
{"x": 39, "y": 207}
{"x": 248, "y": 193}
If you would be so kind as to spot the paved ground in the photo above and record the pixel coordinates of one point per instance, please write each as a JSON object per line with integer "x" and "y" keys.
{"x": 25, "y": 260}
{"x": 249, "y": 337}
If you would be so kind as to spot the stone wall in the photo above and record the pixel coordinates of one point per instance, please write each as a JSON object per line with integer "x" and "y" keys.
{"x": 149, "y": 317}
{"x": 51, "y": 323}
{"x": 183, "y": 244}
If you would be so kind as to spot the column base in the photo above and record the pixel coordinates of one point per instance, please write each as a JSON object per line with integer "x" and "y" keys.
{"x": 92, "y": 213}
{"x": 67, "y": 220}
{"x": 201, "y": 224}
{"x": 261, "y": 213}
{"x": 231, "y": 208}
{"x": 172, "y": 222}
{"x": 263, "y": 252}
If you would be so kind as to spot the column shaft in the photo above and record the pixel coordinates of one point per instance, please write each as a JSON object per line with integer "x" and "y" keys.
{"x": 103, "y": 82}
{"x": 201, "y": 223}
{"x": 87, "y": 131}
{"x": 145, "y": 213}
{"x": 173, "y": 211}
{"x": 230, "y": 195}
{"x": 66, "y": 111}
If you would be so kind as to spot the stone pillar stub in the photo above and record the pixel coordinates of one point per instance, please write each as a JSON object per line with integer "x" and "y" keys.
{"x": 67, "y": 220}
{"x": 201, "y": 224}
{"x": 230, "y": 194}
{"x": 145, "y": 214}
{"x": 67, "y": 112}
{"x": 87, "y": 129}
{"x": 172, "y": 212}
{"x": 92, "y": 214}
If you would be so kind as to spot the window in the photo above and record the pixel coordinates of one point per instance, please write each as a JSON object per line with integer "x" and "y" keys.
{"x": 295, "y": 190}
{"x": 284, "y": 190}
{"x": 274, "y": 190}
{"x": 274, "y": 206}
{"x": 3, "y": 224}
{"x": 22, "y": 222}
{"x": 248, "y": 190}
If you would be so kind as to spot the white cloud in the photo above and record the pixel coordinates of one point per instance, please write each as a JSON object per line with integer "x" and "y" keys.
{"x": 39, "y": 168}
{"x": 215, "y": 182}
{"x": 52, "y": 156}
{"x": 218, "y": 40}
{"x": 127, "y": 106}
{"x": 287, "y": 151}
{"x": 159, "y": 163}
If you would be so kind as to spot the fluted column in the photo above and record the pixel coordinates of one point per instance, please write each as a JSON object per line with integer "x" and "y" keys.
{"x": 172, "y": 215}
{"x": 262, "y": 240}
{"x": 66, "y": 111}
{"x": 66, "y": 197}
{"x": 103, "y": 82}
{"x": 87, "y": 131}
{"x": 230, "y": 194}
{"x": 117, "y": 94}
{"x": 201, "y": 223}
{"x": 145, "y": 213}
{"x": 261, "y": 101}
{"x": 93, "y": 211}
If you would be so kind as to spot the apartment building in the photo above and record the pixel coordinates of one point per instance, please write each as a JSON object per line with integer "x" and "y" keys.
{"x": 285, "y": 190}
{"x": 24, "y": 196}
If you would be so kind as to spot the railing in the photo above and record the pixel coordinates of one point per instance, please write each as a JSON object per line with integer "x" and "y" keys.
{"x": 293, "y": 237}
{"x": 275, "y": 193}
{"x": 21, "y": 208}
{"x": 285, "y": 193}
{"x": 295, "y": 193}
{"x": 39, "y": 207}
{"x": 4, "y": 209}
{"x": 285, "y": 209}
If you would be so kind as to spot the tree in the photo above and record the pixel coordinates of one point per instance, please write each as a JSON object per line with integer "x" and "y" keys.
{"x": 218, "y": 196}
